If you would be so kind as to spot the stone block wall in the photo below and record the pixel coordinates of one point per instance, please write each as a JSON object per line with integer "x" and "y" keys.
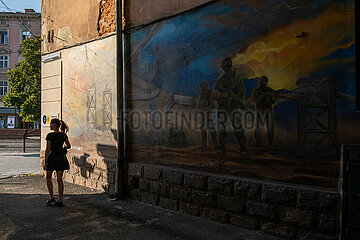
{"x": 283, "y": 210}
{"x": 92, "y": 172}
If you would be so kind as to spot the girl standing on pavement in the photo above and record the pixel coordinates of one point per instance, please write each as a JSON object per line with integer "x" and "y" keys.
{"x": 55, "y": 158}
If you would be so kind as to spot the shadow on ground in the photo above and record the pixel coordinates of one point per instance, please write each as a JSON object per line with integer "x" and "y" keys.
{"x": 89, "y": 214}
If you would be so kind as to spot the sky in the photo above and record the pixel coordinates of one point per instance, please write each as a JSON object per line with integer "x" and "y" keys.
{"x": 20, "y": 5}
{"x": 269, "y": 49}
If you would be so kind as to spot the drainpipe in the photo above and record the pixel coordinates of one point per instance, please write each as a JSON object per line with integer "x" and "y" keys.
{"x": 120, "y": 86}
{"x": 357, "y": 47}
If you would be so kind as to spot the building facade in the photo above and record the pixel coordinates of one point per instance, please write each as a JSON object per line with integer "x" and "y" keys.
{"x": 236, "y": 111}
{"x": 14, "y": 27}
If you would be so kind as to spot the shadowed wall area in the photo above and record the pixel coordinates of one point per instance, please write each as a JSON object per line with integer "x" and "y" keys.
{"x": 306, "y": 51}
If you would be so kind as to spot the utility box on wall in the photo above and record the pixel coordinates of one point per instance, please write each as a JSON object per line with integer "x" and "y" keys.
{"x": 349, "y": 187}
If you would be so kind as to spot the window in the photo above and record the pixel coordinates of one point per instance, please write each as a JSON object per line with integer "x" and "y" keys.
{"x": 25, "y": 35}
{"x": 25, "y": 22}
{"x": 20, "y": 57}
{"x": 3, "y": 88}
{"x": 3, "y": 21}
{"x": 4, "y": 36}
{"x": 4, "y": 61}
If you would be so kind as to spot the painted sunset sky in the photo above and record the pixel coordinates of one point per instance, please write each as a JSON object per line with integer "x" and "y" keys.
{"x": 260, "y": 37}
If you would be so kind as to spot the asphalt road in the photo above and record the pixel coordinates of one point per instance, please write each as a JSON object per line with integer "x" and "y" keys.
{"x": 89, "y": 214}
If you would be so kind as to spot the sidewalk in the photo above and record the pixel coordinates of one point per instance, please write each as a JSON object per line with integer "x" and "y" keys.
{"x": 32, "y": 145}
{"x": 18, "y": 164}
{"x": 89, "y": 214}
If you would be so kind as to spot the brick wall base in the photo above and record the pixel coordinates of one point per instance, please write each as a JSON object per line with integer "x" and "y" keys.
{"x": 283, "y": 210}
{"x": 93, "y": 172}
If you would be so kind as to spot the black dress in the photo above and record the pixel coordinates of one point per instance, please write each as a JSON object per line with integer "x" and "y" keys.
{"x": 57, "y": 158}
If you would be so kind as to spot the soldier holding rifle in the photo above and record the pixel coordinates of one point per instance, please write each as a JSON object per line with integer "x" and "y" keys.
{"x": 229, "y": 91}
{"x": 263, "y": 98}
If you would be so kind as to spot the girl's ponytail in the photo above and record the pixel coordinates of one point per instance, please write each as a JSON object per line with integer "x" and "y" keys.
{"x": 64, "y": 127}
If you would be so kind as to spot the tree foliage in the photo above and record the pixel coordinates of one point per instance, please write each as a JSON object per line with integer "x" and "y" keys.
{"x": 25, "y": 82}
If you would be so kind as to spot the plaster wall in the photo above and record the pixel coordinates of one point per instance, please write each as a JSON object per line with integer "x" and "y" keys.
{"x": 79, "y": 21}
{"x": 72, "y": 22}
{"x": 140, "y": 12}
{"x": 86, "y": 75}
{"x": 50, "y": 94}
{"x": 80, "y": 89}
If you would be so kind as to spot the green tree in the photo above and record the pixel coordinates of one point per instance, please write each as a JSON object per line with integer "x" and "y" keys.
{"x": 25, "y": 82}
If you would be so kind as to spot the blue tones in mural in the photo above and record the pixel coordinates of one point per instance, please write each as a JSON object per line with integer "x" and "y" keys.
{"x": 294, "y": 60}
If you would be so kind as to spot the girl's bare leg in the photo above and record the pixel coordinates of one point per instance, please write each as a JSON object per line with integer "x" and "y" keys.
{"x": 49, "y": 183}
{"x": 59, "y": 176}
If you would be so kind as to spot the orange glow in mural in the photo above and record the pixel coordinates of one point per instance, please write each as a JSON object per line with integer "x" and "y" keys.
{"x": 284, "y": 58}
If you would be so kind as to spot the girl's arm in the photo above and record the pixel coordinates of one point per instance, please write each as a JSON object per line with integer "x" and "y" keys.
{"x": 47, "y": 150}
{"x": 68, "y": 145}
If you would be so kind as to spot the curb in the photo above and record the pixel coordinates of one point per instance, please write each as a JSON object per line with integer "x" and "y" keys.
{"x": 5, "y": 177}
{"x": 19, "y": 175}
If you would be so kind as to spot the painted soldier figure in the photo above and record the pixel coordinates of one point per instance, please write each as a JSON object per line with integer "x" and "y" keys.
{"x": 206, "y": 105}
{"x": 263, "y": 98}
{"x": 229, "y": 91}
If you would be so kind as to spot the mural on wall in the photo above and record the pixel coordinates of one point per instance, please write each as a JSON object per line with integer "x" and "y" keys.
{"x": 253, "y": 88}
{"x": 88, "y": 97}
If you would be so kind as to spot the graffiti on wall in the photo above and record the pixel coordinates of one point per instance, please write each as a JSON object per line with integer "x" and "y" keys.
{"x": 88, "y": 104}
{"x": 77, "y": 82}
{"x": 254, "y": 88}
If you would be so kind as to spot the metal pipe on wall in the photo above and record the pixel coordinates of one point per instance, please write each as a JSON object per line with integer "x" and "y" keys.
{"x": 357, "y": 47}
{"x": 120, "y": 87}
{"x": 62, "y": 90}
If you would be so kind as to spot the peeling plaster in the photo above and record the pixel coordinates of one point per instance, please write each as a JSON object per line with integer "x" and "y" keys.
{"x": 64, "y": 36}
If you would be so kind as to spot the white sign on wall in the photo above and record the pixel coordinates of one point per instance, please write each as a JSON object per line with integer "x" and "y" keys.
{"x": 46, "y": 119}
